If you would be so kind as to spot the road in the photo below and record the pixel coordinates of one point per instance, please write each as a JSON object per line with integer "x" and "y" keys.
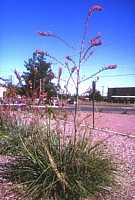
{"x": 105, "y": 109}
{"x": 88, "y": 108}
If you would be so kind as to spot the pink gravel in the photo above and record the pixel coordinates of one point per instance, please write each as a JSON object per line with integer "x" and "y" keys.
{"x": 5, "y": 193}
{"x": 122, "y": 147}
{"x": 117, "y": 122}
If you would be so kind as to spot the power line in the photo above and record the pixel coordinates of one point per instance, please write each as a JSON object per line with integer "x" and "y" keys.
{"x": 117, "y": 75}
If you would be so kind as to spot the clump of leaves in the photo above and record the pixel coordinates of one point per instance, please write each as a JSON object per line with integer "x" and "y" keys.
{"x": 10, "y": 142}
{"x": 48, "y": 169}
{"x": 11, "y": 128}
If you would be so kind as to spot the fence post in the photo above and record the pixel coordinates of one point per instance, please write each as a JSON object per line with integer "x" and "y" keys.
{"x": 93, "y": 102}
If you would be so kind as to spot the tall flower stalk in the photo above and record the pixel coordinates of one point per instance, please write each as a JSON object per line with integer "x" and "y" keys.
{"x": 81, "y": 57}
{"x": 83, "y": 54}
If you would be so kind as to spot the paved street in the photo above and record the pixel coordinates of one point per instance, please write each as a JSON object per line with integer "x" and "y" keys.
{"x": 105, "y": 109}
{"x": 121, "y": 109}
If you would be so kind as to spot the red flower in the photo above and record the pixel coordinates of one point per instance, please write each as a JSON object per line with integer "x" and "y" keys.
{"x": 111, "y": 66}
{"x": 44, "y": 53}
{"x": 37, "y": 110}
{"x": 73, "y": 69}
{"x": 68, "y": 58}
{"x": 95, "y": 8}
{"x": 46, "y": 109}
{"x": 37, "y": 50}
{"x": 47, "y": 34}
{"x": 96, "y": 41}
{"x": 51, "y": 75}
{"x": 59, "y": 72}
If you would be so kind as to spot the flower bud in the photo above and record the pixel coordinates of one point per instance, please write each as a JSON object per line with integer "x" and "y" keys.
{"x": 46, "y": 34}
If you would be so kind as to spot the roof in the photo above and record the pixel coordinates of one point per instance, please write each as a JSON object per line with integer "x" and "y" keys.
{"x": 123, "y": 96}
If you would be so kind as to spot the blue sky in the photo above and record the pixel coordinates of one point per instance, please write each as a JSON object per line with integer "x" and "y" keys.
{"x": 21, "y": 19}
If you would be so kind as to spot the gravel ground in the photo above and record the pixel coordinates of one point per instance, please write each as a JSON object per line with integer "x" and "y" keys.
{"x": 5, "y": 193}
{"x": 122, "y": 148}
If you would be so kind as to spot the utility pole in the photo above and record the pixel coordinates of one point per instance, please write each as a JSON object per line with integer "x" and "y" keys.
{"x": 102, "y": 90}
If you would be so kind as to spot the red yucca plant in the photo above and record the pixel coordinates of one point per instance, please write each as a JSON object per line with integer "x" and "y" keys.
{"x": 45, "y": 169}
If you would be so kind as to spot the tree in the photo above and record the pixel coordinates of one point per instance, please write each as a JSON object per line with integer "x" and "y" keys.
{"x": 38, "y": 77}
{"x": 97, "y": 95}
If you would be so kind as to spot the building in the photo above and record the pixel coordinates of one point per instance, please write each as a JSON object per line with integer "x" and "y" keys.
{"x": 122, "y": 94}
{"x": 2, "y": 91}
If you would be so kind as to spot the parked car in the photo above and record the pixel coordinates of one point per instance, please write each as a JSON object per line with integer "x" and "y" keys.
{"x": 55, "y": 101}
{"x": 71, "y": 101}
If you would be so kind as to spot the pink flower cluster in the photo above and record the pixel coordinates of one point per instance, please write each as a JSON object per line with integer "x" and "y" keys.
{"x": 96, "y": 41}
{"x": 47, "y": 34}
{"x": 94, "y": 8}
{"x": 111, "y": 66}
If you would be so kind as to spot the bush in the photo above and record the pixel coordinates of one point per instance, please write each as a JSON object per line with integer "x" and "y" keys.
{"x": 9, "y": 136}
{"x": 46, "y": 169}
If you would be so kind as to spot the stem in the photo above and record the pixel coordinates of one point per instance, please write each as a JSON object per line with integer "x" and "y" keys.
{"x": 86, "y": 52}
{"x": 85, "y": 33}
{"x": 70, "y": 76}
{"x": 58, "y": 61}
{"x": 65, "y": 42}
{"x": 77, "y": 93}
{"x": 92, "y": 75}
{"x": 78, "y": 76}
{"x": 59, "y": 175}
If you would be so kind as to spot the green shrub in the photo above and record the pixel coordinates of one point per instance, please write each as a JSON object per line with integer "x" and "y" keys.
{"x": 10, "y": 140}
{"x": 46, "y": 169}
